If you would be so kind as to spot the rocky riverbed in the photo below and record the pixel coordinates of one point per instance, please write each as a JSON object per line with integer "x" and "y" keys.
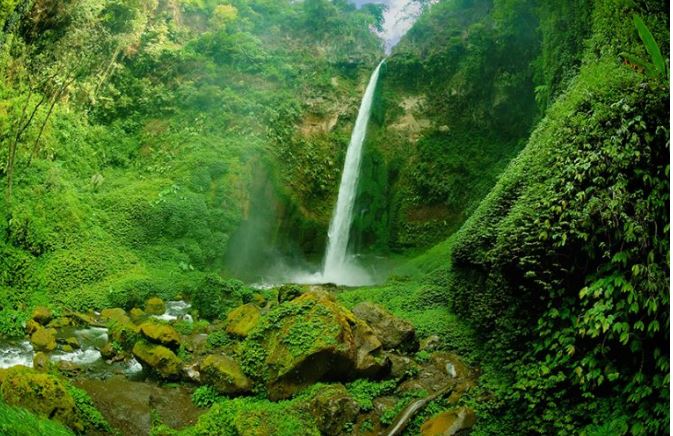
{"x": 144, "y": 364}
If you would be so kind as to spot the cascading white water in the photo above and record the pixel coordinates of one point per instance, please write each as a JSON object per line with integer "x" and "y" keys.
{"x": 337, "y": 267}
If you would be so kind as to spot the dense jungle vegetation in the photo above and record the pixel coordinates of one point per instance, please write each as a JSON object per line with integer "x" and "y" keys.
{"x": 515, "y": 175}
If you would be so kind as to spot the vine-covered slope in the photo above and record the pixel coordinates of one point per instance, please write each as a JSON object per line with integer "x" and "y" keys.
{"x": 564, "y": 268}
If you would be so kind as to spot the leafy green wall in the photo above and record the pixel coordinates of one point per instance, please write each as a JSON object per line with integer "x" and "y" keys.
{"x": 563, "y": 269}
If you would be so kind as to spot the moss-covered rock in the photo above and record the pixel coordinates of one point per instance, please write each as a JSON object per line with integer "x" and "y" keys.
{"x": 302, "y": 341}
{"x": 42, "y": 315}
{"x": 137, "y": 315}
{"x": 32, "y": 326}
{"x": 40, "y": 393}
{"x": 72, "y": 341}
{"x": 159, "y": 333}
{"x": 393, "y": 332}
{"x": 44, "y": 339}
{"x": 370, "y": 359}
{"x": 449, "y": 423}
{"x": 87, "y": 319}
{"x": 155, "y": 306}
{"x": 224, "y": 374}
{"x": 115, "y": 315}
{"x": 107, "y": 351}
{"x": 333, "y": 408}
{"x": 60, "y": 322}
{"x": 288, "y": 292}
{"x": 158, "y": 358}
{"x": 242, "y": 320}
{"x": 41, "y": 362}
{"x": 125, "y": 334}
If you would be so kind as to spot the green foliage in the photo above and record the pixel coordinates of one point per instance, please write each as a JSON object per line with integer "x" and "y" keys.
{"x": 219, "y": 339}
{"x": 205, "y": 396}
{"x": 251, "y": 415}
{"x": 562, "y": 268}
{"x": 217, "y": 296}
{"x": 421, "y": 300}
{"x": 15, "y": 421}
{"x": 93, "y": 420}
{"x": 455, "y": 104}
{"x": 658, "y": 66}
{"x": 364, "y": 391}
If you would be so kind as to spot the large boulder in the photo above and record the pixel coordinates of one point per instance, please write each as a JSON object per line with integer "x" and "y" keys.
{"x": 449, "y": 423}
{"x": 44, "y": 339}
{"x": 160, "y": 333}
{"x": 41, "y": 393}
{"x": 393, "y": 332}
{"x": 302, "y": 341}
{"x": 224, "y": 374}
{"x": 158, "y": 358}
{"x": 242, "y": 320}
{"x": 333, "y": 408}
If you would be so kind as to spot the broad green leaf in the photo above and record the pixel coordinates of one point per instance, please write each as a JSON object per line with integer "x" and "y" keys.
{"x": 650, "y": 45}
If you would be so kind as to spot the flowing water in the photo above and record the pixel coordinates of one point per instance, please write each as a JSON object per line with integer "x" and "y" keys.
{"x": 339, "y": 267}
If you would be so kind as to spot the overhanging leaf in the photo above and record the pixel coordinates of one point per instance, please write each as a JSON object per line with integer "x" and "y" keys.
{"x": 650, "y": 45}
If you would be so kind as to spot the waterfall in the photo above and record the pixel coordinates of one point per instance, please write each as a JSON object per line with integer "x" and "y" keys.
{"x": 337, "y": 267}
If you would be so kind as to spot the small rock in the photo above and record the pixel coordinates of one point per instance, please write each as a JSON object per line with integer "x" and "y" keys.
{"x": 41, "y": 362}
{"x": 42, "y": 315}
{"x": 371, "y": 362}
{"x": 393, "y": 332}
{"x": 259, "y": 300}
{"x": 59, "y": 323}
{"x": 32, "y": 326}
{"x": 402, "y": 365}
{"x": 87, "y": 319}
{"x": 288, "y": 293}
{"x": 191, "y": 373}
{"x": 430, "y": 343}
{"x": 155, "y": 306}
{"x": 107, "y": 351}
{"x": 242, "y": 320}
{"x": 333, "y": 408}
{"x": 158, "y": 358}
{"x": 160, "y": 333}
{"x": 72, "y": 341}
{"x": 44, "y": 339}
{"x": 449, "y": 423}
{"x": 137, "y": 314}
{"x": 224, "y": 374}
{"x": 67, "y": 348}
{"x": 66, "y": 366}
{"x": 444, "y": 129}
{"x": 125, "y": 334}
{"x": 384, "y": 404}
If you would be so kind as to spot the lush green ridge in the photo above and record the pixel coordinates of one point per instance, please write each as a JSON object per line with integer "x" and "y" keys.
{"x": 563, "y": 269}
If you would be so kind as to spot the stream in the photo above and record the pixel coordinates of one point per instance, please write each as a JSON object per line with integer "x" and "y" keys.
{"x": 121, "y": 390}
